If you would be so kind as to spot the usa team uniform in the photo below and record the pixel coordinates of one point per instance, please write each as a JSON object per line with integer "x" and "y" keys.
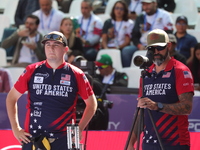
{"x": 165, "y": 87}
{"x": 52, "y": 96}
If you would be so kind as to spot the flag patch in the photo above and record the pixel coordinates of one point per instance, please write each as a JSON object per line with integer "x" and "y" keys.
{"x": 187, "y": 74}
{"x": 166, "y": 75}
{"x": 65, "y": 77}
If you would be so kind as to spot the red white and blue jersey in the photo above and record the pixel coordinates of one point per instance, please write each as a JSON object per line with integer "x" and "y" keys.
{"x": 165, "y": 87}
{"x": 52, "y": 96}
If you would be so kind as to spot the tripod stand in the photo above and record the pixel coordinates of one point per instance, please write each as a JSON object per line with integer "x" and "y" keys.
{"x": 140, "y": 113}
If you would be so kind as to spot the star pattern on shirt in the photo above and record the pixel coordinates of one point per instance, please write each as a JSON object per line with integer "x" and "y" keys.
{"x": 150, "y": 139}
{"x": 35, "y": 120}
{"x": 39, "y": 127}
{"x": 31, "y": 126}
{"x": 146, "y": 132}
{"x": 51, "y": 134}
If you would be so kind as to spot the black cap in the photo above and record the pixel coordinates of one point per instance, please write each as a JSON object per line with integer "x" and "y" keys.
{"x": 183, "y": 18}
{"x": 55, "y": 36}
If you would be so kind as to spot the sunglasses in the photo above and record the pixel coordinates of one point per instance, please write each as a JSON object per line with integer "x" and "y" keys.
{"x": 159, "y": 48}
{"x": 102, "y": 67}
{"x": 54, "y": 37}
{"x": 181, "y": 24}
{"x": 119, "y": 8}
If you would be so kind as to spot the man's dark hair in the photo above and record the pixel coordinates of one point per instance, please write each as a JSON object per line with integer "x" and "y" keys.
{"x": 195, "y": 64}
{"x": 125, "y": 16}
{"x": 34, "y": 17}
{"x": 89, "y": 2}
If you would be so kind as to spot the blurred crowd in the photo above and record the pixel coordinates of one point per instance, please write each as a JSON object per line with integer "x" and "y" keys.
{"x": 126, "y": 30}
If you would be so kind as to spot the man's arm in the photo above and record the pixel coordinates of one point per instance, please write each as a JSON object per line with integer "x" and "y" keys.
{"x": 90, "y": 109}
{"x": 104, "y": 41}
{"x": 189, "y": 60}
{"x": 10, "y": 41}
{"x": 182, "y": 108}
{"x": 11, "y": 105}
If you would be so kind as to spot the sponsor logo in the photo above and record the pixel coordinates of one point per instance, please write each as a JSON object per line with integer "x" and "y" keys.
{"x": 45, "y": 75}
{"x": 37, "y": 113}
{"x": 38, "y": 79}
{"x": 63, "y": 82}
{"x": 37, "y": 103}
{"x": 185, "y": 84}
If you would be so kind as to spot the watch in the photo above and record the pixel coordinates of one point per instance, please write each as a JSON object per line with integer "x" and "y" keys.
{"x": 160, "y": 106}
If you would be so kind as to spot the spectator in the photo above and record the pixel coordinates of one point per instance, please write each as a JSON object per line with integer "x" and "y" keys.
{"x": 53, "y": 87}
{"x": 89, "y": 30}
{"x": 66, "y": 27}
{"x": 168, "y": 5}
{"x": 185, "y": 41}
{"x": 5, "y": 81}
{"x": 117, "y": 32}
{"x": 50, "y": 18}
{"x": 108, "y": 75}
{"x": 152, "y": 18}
{"x": 25, "y": 8}
{"x": 195, "y": 67}
{"x": 27, "y": 42}
{"x": 173, "y": 52}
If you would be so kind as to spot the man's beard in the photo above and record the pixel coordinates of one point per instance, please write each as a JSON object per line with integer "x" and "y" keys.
{"x": 159, "y": 61}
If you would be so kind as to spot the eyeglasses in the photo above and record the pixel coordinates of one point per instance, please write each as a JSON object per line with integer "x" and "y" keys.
{"x": 102, "y": 67}
{"x": 181, "y": 24}
{"x": 54, "y": 37}
{"x": 119, "y": 8}
{"x": 159, "y": 48}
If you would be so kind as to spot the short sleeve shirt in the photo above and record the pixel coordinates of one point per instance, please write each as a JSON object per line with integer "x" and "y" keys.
{"x": 165, "y": 87}
{"x": 52, "y": 97}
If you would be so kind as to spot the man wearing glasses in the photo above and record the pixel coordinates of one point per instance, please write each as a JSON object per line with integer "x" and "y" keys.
{"x": 27, "y": 43}
{"x": 53, "y": 87}
{"x": 152, "y": 18}
{"x": 108, "y": 75}
{"x": 168, "y": 93}
{"x": 185, "y": 42}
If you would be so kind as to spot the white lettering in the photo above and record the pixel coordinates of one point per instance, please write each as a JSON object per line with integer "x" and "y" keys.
{"x": 115, "y": 125}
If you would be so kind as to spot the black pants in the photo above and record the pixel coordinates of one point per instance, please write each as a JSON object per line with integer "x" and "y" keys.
{"x": 157, "y": 147}
{"x": 59, "y": 144}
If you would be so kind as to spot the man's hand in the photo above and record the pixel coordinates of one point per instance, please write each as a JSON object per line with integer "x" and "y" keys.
{"x": 147, "y": 103}
{"x": 23, "y": 32}
{"x": 21, "y": 135}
